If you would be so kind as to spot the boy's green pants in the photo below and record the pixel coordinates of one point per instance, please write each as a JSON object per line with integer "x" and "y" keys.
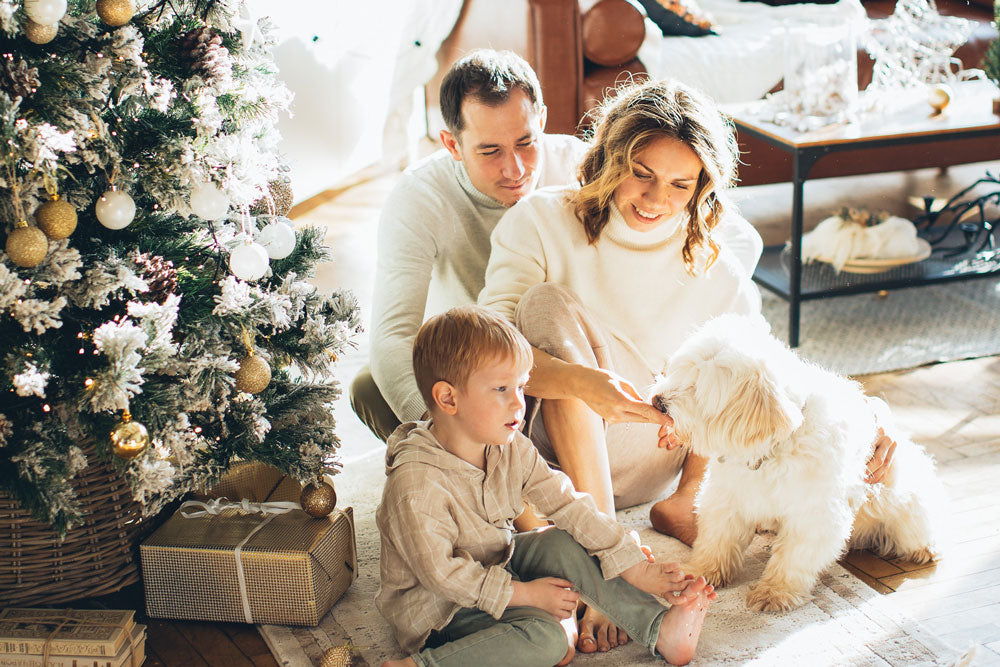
{"x": 527, "y": 636}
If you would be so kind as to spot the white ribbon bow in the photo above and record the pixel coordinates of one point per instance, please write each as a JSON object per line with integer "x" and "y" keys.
{"x": 216, "y": 506}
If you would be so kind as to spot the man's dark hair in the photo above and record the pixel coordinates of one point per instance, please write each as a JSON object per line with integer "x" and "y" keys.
{"x": 487, "y": 77}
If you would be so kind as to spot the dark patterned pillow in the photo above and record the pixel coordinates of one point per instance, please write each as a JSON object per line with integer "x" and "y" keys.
{"x": 678, "y": 18}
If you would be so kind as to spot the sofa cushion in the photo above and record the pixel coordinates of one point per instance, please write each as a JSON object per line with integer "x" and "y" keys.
{"x": 612, "y": 32}
{"x": 678, "y": 18}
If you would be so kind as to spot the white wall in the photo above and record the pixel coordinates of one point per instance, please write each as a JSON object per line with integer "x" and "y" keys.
{"x": 352, "y": 66}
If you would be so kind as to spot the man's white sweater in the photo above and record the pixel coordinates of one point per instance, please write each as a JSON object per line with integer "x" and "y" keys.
{"x": 634, "y": 282}
{"x": 433, "y": 247}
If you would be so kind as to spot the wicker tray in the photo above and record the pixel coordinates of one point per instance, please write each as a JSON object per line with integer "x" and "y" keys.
{"x": 96, "y": 558}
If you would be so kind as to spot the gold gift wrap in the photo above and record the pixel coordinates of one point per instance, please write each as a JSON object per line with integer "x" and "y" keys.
{"x": 255, "y": 481}
{"x": 293, "y": 568}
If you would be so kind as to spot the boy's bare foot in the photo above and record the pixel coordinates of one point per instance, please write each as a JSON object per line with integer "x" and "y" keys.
{"x": 597, "y": 633}
{"x": 405, "y": 662}
{"x": 681, "y": 625}
{"x": 569, "y": 625}
{"x": 674, "y": 516}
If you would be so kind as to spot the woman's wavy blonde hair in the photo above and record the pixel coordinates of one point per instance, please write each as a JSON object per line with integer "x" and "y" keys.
{"x": 627, "y": 123}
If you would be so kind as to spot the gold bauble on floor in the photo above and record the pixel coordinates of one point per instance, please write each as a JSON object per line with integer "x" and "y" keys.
{"x": 129, "y": 438}
{"x": 26, "y": 245}
{"x": 318, "y": 500}
{"x": 338, "y": 656}
{"x": 115, "y": 12}
{"x": 38, "y": 33}
{"x": 56, "y": 218}
{"x": 254, "y": 374}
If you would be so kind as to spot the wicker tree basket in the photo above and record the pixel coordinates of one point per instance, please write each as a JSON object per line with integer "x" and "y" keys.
{"x": 96, "y": 558}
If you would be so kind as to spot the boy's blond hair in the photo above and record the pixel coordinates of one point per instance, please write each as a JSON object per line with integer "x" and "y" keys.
{"x": 453, "y": 345}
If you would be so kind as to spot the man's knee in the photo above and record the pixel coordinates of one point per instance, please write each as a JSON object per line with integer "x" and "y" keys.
{"x": 370, "y": 406}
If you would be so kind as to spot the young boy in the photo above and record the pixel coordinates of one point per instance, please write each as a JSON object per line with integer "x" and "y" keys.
{"x": 457, "y": 584}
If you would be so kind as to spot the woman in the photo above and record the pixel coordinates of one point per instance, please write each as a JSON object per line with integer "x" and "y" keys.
{"x": 606, "y": 279}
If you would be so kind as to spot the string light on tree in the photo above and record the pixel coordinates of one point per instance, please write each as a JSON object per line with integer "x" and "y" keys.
{"x": 278, "y": 238}
{"x": 115, "y": 209}
{"x": 56, "y": 218}
{"x": 208, "y": 202}
{"x": 129, "y": 438}
{"x": 249, "y": 261}
{"x": 26, "y": 245}
{"x": 45, "y": 12}
{"x": 115, "y": 13}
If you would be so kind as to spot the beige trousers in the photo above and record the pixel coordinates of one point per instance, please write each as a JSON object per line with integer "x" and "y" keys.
{"x": 552, "y": 319}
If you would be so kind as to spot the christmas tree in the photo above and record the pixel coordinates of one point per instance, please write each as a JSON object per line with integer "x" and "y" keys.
{"x": 991, "y": 61}
{"x": 154, "y": 307}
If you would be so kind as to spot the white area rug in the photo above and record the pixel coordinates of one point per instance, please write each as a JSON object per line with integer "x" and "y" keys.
{"x": 863, "y": 334}
{"x": 847, "y": 624}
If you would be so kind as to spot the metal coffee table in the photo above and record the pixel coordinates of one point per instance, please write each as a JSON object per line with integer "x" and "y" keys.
{"x": 780, "y": 270}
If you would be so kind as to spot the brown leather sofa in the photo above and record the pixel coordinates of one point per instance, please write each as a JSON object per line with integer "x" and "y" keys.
{"x": 578, "y": 57}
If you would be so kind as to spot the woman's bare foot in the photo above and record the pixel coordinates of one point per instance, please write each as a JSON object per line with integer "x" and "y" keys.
{"x": 681, "y": 625}
{"x": 405, "y": 662}
{"x": 569, "y": 625}
{"x": 597, "y": 633}
{"x": 674, "y": 516}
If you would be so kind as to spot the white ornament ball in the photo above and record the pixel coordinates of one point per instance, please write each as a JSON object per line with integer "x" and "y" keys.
{"x": 248, "y": 261}
{"x": 45, "y": 12}
{"x": 115, "y": 210}
{"x": 278, "y": 238}
{"x": 208, "y": 202}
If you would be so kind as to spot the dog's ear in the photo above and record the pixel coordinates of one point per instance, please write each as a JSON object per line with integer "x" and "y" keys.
{"x": 759, "y": 410}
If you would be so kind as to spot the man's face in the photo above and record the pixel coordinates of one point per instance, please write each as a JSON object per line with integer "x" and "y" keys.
{"x": 499, "y": 146}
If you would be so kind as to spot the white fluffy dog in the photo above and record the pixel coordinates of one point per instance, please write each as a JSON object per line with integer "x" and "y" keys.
{"x": 787, "y": 444}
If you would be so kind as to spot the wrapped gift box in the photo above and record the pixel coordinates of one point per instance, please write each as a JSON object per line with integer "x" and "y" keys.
{"x": 255, "y": 481}
{"x": 234, "y": 566}
{"x": 74, "y": 638}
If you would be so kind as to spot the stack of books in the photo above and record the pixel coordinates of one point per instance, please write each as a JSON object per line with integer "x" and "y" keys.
{"x": 84, "y": 638}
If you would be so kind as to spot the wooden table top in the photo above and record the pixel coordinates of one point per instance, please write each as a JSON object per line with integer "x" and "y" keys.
{"x": 909, "y": 116}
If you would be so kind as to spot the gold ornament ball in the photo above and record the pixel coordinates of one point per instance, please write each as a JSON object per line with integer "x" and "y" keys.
{"x": 39, "y": 33}
{"x": 318, "y": 501}
{"x": 338, "y": 656}
{"x": 129, "y": 439}
{"x": 56, "y": 218}
{"x": 254, "y": 374}
{"x": 115, "y": 12}
{"x": 281, "y": 195}
{"x": 939, "y": 97}
{"x": 27, "y": 246}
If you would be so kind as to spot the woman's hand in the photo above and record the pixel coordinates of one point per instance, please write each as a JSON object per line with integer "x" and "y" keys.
{"x": 614, "y": 398}
{"x": 667, "y": 436}
{"x": 880, "y": 463}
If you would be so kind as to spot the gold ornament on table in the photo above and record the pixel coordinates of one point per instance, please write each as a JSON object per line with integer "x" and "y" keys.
{"x": 115, "y": 12}
{"x": 129, "y": 438}
{"x": 26, "y": 245}
{"x": 38, "y": 33}
{"x": 318, "y": 500}
{"x": 338, "y": 656}
{"x": 939, "y": 97}
{"x": 56, "y": 218}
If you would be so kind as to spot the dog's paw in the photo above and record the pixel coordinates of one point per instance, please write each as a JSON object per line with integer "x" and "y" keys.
{"x": 762, "y": 597}
{"x": 713, "y": 573}
{"x": 921, "y": 556}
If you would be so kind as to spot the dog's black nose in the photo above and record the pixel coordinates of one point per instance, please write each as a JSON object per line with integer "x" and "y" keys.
{"x": 660, "y": 404}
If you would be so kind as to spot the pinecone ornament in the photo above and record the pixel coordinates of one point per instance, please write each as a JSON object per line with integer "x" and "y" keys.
{"x": 159, "y": 274}
{"x": 16, "y": 78}
{"x": 203, "y": 50}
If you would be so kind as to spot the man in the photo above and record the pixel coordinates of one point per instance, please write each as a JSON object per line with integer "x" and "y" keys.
{"x": 434, "y": 232}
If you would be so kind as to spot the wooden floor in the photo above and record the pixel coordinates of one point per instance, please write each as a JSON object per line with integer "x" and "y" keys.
{"x": 953, "y": 409}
